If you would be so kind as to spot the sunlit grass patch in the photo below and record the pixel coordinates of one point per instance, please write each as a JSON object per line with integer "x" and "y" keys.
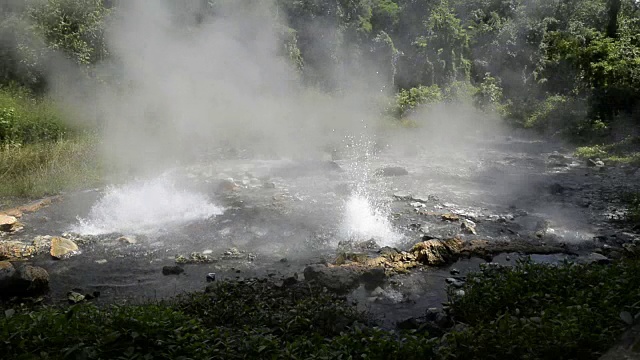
{"x": 47, "y": 168}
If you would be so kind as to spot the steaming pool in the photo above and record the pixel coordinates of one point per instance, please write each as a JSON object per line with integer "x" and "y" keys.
{"x": 265, "y": 217}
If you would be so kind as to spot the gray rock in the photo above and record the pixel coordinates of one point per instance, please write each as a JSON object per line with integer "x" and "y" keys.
{"x": 27, "y": 281}
{"x": 7, "y": 223}
{"x": 392, "y": 171}
{"x": 172, "y": 270}
{"x": 7, "y": 272}
{"x": 75, "y": 297}
{"x": 456, "y": 283}
{"x": 593, "y": 258}
{"x": 373, "y": 278}
{"x": 402, "y": 195}
{"x": 336, "y": 279}
{"x": 127, "y": 240}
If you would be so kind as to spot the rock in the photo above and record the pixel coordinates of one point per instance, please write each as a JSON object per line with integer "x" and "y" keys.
{"x": 373, "y": 278}
{"x": 62, "y": 248}
{"x": 595, "y": 163}
{"x": 30, "y": 280}
{"x": 127, "y": 240}
{"x": 402, "y": 195}
{"x": 450, "y": 217}
{"x": 75, "y": 297}
{"x": 367, "y": 245}
{"x": 101, "y": 261}
{"x": 336, "y": 279}
{"x": 228, "y": 185}
{"x": 348, "y": 257}
{"x": 172, "y": 270}
{"x": 42, "y": 244}
{"x": 210, "y": 277}
{"x": 7, "y": 223}
{"x": 15, "y": 250}
{"x": 437, "y": 252}
{"x": 627, "y": 347}
{"x": 392, "y": 171}
{"x": 456, "y": 283}
{"x": 556, "y": 189}
{"x": 194, "y": 258}
{"x": 468, "y": 227}
{"x": 454, "y": 271}
{"x": 424, "y": 198}
{"x": 232, "y": 253}
{"x": 593, "y": 258}
{"x": 7, "y": 272}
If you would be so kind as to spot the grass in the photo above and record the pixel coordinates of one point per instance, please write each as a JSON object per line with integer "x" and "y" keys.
{"x": 47, "y": 168}
{"x": 626, "y": 151}
{"x": 25, "y": 119}
{"x": 531, "y": 311}
{"x": 39, "y": 153}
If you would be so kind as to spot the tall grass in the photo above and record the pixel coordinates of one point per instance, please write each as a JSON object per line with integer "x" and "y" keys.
{"x": 39, "y": 153}
{"x": 48, "y": 168}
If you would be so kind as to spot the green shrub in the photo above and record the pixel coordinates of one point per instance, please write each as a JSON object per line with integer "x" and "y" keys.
{"x": 537, "y": 311}
{"x": 25, "y": 120}
{"x": 410, "y": 99}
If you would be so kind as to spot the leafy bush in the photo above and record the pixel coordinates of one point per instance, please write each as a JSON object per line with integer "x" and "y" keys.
{"x": 272, "y": 322}
{"x": 407, "y": 100}
{"x": 24, "y": 120}
{"x": 537, "y": 311}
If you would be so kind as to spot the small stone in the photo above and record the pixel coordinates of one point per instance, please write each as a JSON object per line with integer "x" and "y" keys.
{"x": 454, "y": 271}
{"x": 455, "y": 282}
{"x": 172, "y": 270}
{"x": 7, "y": 223}
{"x": 211, "y": 277}
{"x": 207, "y": 252}
{"x": 269, "y": 185}
{"x": 450, "y": 217}
{"x": 62, "y": 248}
{"x": 101, "y": 261}
{"x": 127, "y": 240}
{"x": 75, "y": 297}
{"x": 283, "y": 260}
{"x": 392, "y": 171}
{"x": 291, "y": 280}
{"x": 377, "y": 291}
{"x": 402, "y": 195}
{"x": 459, "y": 293}
{"x": 42, "y": 243}
{"x": 468, "y": 227}
{"x": 593, "y": 258}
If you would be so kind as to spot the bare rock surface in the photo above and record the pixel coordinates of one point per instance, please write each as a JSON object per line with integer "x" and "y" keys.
{"x": 62, "y": 248}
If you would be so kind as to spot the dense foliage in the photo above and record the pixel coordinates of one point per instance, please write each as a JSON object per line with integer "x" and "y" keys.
{"x": 561, "y": 65}
{"x": 530, "y": 311}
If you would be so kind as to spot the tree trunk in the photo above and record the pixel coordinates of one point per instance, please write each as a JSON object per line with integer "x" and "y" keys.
{"x": 612, "y": 26}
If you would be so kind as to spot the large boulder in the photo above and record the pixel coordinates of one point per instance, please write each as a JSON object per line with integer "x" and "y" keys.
{"x": 337, "y": 279}
{"x": 24, "y": 281}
